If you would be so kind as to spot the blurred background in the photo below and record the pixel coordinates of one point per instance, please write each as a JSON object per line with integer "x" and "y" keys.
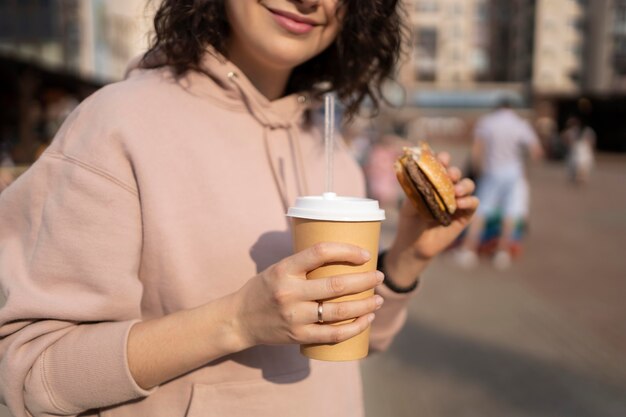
{"x": 545, "y": 336}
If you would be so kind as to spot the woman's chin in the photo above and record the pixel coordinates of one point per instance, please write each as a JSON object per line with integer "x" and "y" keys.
{"x": 286, "y": 58}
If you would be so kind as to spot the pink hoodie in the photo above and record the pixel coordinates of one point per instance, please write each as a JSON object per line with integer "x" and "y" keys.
{"x": 157, "y": 196}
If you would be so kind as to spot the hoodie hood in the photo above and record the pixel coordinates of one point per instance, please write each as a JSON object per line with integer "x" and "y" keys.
{"x": 239, "y": 92}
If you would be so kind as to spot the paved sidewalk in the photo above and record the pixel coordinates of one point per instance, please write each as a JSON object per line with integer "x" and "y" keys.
{"x": 485, "y": 345}
{"x": 545, "y": 338}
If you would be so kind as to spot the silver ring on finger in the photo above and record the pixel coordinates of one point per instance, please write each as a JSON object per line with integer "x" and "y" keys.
{"x": 320, "y": 312}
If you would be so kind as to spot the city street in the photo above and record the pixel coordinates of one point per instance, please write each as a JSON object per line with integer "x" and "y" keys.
{"x": 175, "y": 92}
{"x": 545, "y": 338}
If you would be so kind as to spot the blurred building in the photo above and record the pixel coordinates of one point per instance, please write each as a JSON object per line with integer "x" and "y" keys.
{"x": 465, "y": 55}
{"x": 580, "y": 47}
{"x": 559, "y": 46}
{"x": 544, "y": 55}
{"x": 54, "y": 53}
{"x": 555, "y": 46}
{"x": 511, "y": 40}
{"x": 606, "y": 47}
{"x": 450, "y": 42}
{"x": 580, "y": 64}
{"x": 91, "y": 38}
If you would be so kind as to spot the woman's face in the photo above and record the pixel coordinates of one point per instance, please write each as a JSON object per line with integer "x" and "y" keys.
{"x": 281, "y": 34}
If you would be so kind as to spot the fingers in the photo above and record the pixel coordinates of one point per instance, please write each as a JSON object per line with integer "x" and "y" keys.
{"x": 469, "y": 203}
{"x": 455, "y": 174}
{"x": 444, "y": 158}
{"x": 324, "y": 253}
{"x": 465, "y": 201}
{"x": 338, "y": 285}
{"x": 329, "y": 333}
{"x": 347, "y": 310}
{"x": 464, "y": 188}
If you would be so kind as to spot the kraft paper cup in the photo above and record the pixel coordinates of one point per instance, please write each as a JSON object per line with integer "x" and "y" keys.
{"x": 332, "y": 218}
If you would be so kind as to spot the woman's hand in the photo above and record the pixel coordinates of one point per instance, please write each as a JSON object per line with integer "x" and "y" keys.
{"x": 419, "y": 239}
{"x": 279, "y": 305}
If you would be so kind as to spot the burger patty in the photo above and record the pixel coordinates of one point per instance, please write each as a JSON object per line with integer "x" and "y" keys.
{"x": 427, "y": 192}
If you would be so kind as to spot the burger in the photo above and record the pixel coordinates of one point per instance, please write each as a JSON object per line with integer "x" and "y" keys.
{"x": 426, "y": 183}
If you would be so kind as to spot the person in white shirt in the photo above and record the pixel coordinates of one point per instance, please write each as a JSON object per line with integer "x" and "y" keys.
{"x": 501, "y": 141}
{"x": 580, "y": 140}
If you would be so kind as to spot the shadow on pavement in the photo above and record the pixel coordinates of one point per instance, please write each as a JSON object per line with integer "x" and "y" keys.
{"x": 529, "y": 385}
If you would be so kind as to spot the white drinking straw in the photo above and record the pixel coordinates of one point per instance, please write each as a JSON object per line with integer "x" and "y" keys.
{"x": 329, "y": 133}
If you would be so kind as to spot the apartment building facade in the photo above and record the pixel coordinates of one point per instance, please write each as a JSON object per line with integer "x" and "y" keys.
{"x": 93, "y": 39}
{"x": 562, "y": 47}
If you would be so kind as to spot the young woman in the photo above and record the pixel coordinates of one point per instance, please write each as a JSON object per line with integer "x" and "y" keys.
{"x": 146, "y": 257}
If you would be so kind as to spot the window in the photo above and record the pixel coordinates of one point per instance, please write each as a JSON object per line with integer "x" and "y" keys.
{"x": 480, "y": 61}
{"x": 38, "y": 21}
{"x": 426, "y": 53}
{"x": 426, "y": 6}
{"x": 427, "y": 41}
{"x": 575, "y": 76}
{"x": 619, "y": 23}
{"x": 619, "y": 55}
{"x": 482, "y": 12}
{"x": 577, "y": 23}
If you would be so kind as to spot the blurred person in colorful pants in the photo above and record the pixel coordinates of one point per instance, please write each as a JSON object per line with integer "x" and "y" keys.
{"x": 501, "y": 141}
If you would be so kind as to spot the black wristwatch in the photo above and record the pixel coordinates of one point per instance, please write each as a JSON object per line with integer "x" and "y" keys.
{"x": 388, "y": 282}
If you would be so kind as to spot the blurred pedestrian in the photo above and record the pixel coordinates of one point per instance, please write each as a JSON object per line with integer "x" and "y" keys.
{"x": 501, "y": 141}
{"x": 381, "y": 181}
{"x": 552, "y": 142}
{"x": 580, "y": 140}
{"x": 357, "y": 137}
{"x": 6, "y": 165}
{"x": 146, "y": 256}
{"x": 58, "y": 106}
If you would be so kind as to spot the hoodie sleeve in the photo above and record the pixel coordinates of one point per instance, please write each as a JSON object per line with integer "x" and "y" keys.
{"x": 70, "y": 245}
{"x": 389, "y": 319}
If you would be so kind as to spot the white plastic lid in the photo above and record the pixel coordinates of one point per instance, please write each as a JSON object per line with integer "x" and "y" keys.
{"x": 332, "y": 207}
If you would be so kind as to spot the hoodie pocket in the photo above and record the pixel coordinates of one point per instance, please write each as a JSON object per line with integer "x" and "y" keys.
{"x": 249, "y": 398}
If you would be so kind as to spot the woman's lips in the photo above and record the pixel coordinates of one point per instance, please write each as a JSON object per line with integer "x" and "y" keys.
{"x": 292, "y": 24}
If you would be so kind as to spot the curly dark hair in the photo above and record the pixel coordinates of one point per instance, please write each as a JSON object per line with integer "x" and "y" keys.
{"x": 355, "y": 65}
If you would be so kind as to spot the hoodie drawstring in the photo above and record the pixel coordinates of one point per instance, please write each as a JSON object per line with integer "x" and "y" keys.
{"x": 294, "y": 138}
{"x": 294, "y": 141}
{"x": 302, "y": 183}
{"x": 280, "y": 185}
